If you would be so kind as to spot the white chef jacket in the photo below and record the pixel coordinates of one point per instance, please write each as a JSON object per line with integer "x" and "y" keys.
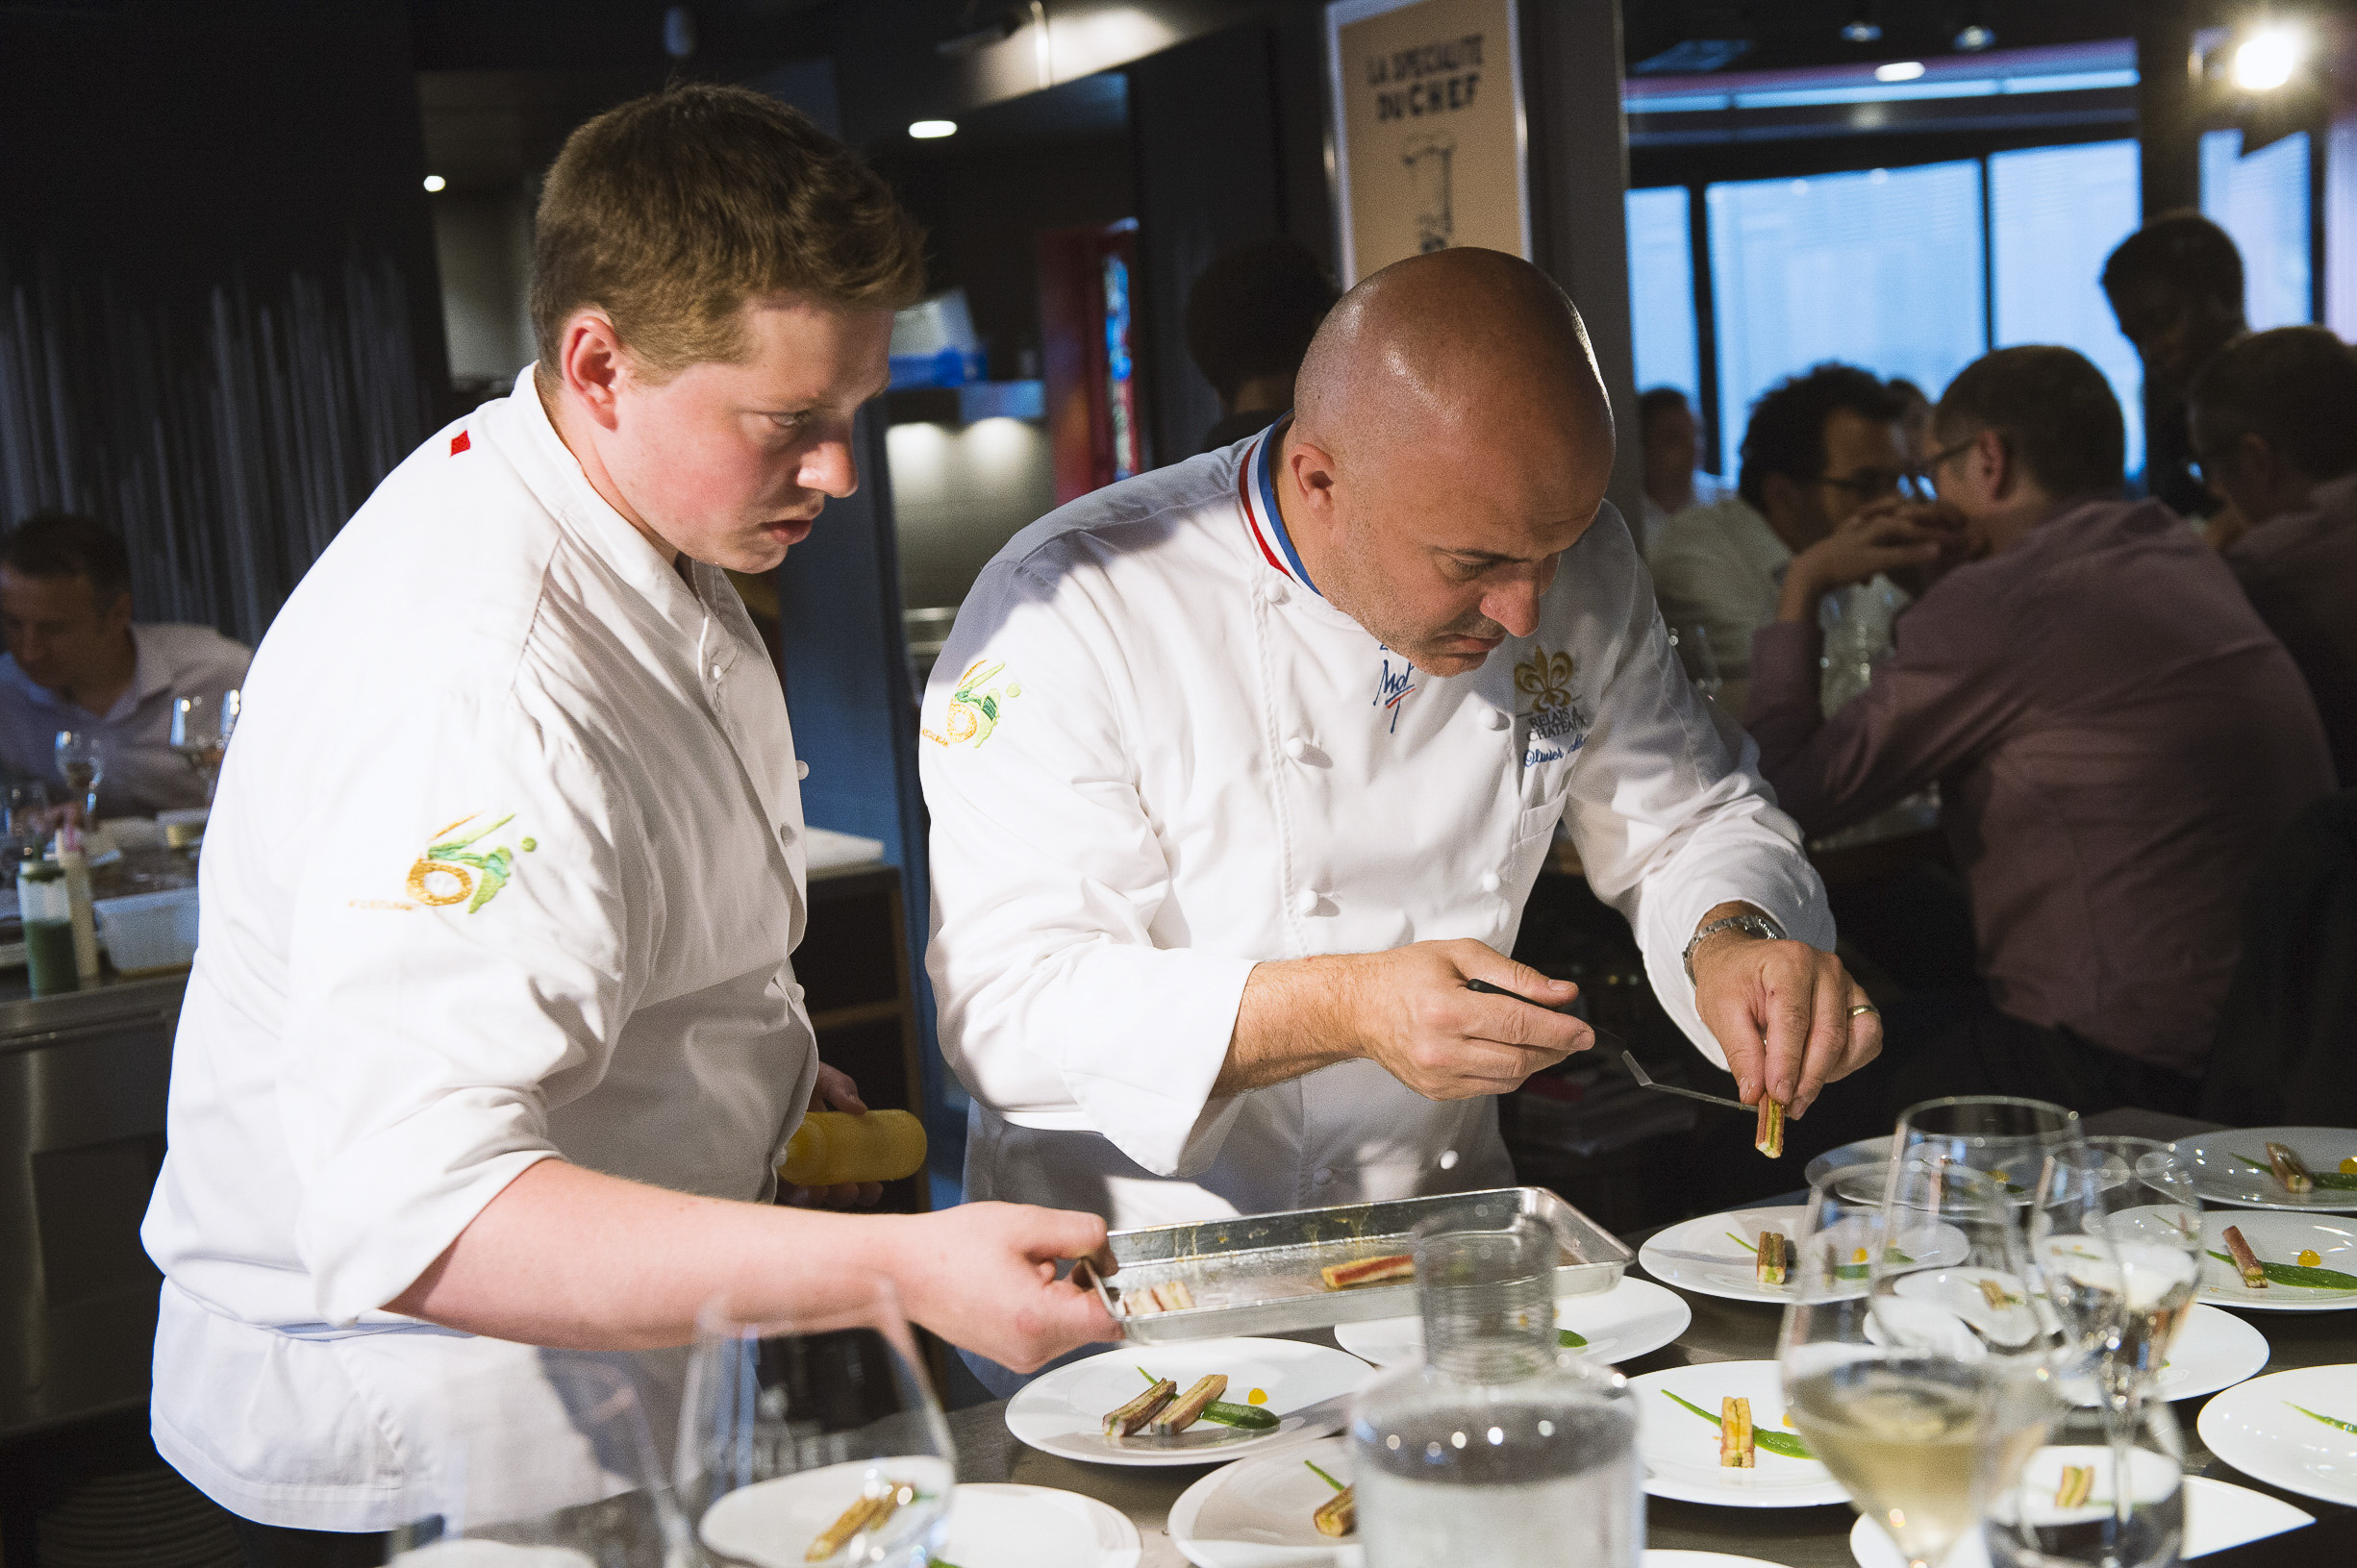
{"x": 1155, "y": 756}
{"x": 505, "y": 865}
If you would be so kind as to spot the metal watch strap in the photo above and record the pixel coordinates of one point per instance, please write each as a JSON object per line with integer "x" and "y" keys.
{"x": 1758, "y": 925}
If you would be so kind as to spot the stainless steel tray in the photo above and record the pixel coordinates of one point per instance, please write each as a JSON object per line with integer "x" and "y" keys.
{"x": 1258, "y": 1273}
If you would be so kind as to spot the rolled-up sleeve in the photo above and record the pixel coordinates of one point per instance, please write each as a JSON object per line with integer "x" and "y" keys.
{"x": 458, "y": 943}
{"x": 1057, "y": 1007}
{"x": 1671, "y": 819}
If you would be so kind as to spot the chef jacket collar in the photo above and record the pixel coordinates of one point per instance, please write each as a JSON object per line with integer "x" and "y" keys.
{"x": 1256, "y": 491}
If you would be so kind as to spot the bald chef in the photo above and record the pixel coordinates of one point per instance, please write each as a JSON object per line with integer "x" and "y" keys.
{"x": 1240, "y": 770}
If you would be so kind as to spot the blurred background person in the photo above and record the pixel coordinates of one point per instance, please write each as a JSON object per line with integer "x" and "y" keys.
{"x": 2116, "y": 738}
{"x": 2274, "y": 423}
{"x": 2177, "y": 287}
{"x": 1671, "y": 444}
{"x": 1250, "y": 320}
{"x": 76, "y": 661}
{"x": 1819, "y": 446}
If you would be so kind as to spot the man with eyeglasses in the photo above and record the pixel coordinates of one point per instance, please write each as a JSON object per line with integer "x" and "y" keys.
{"x": 1819, "y": 447}
{"x": 2115, "y": 734}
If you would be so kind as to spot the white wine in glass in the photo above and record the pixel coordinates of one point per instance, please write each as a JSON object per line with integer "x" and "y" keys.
{"x": 81, "y": 763}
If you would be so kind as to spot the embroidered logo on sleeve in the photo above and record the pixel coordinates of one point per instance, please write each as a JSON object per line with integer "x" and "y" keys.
{"x": 1557, "y": 725}
{"x": 453, "y": 871}
{"x": 976, "y": 706}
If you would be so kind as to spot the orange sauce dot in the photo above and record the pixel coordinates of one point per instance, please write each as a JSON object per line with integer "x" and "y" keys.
{"x": 1258, "y": 1396}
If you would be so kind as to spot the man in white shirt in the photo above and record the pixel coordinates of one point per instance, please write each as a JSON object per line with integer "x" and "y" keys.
{"x": 76, "y": 661}
{"x": 1669, "y": 444}
{"x": 492, "y": 1042}
{"x": 1242, "y": 770}
{"x": 1818, "y": 446}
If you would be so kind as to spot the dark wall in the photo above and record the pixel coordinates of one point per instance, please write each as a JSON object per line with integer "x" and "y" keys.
{"x": 221, "y": 324}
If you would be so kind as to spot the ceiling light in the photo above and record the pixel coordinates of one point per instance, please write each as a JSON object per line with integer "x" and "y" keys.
{"x": 933, "y": 130}
{"x": 1899, "y": 71}
{"x": 1974, "y": 38}
{"x": 434, "y": 181}
{"x": 2264, "y": 60}
{"x": 1861, "y": 31}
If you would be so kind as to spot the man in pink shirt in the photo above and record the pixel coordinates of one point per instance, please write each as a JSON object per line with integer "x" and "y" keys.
{"x": 2115, "y": 734}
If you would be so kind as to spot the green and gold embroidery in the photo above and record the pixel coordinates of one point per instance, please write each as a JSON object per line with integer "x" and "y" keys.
{"x": 452, "y": 871}
{"x": 975, "y": 707}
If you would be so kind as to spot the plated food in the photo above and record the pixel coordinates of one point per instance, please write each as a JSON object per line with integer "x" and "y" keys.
{"x": 1770, "y": 1138}
{"x": 1269, "y": 1512}
{"x": 2294, "y": 1429}
{"x": 1684, "y": 1435}
{"x": 1339, "y": 1515}
{"x": 1303, "y": 1392}
{"x": 1718, "y": 1255}
{"x": 859, "y": 1511}
{"x": 1165, "y": 1412}
{"x": 2279, "y": 1262}
{"x": 2306, "y": 1168}
{"x": 1611, "y": 1326}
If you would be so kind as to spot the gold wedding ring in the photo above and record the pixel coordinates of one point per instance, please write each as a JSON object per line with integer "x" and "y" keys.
{"x": 1866, "y": 1007}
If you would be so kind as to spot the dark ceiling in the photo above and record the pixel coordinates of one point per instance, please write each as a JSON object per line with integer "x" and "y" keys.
{"x": 1782, "y": 34}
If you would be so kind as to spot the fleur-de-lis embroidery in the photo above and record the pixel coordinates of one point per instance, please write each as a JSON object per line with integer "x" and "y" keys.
{"x": 1546, "y": 678}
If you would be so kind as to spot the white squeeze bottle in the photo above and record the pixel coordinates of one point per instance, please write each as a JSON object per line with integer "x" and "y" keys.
{"x": 76, "y": 864}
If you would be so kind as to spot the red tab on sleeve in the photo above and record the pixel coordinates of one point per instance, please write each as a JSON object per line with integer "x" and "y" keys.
{"x": 458, "y": 444}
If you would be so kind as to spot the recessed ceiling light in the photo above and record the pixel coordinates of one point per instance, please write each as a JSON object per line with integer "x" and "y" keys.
{"x": 1899, "y": 71}
{"x": 1974, "y": 38}
{"x": 1861, "y": 31}
{"x": 434, "y": 181}
{"x": 2266, "y": 61}
{"x": 933, "y": 130}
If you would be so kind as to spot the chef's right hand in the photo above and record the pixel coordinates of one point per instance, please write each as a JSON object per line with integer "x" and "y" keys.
{"x": 983, "y": 1276}
{"x": 1417, "y": 1018}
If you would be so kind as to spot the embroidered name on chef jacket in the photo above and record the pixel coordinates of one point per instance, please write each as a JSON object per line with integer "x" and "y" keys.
{"x": 1558, "y": 727}
{"x": 1393, "y": 687}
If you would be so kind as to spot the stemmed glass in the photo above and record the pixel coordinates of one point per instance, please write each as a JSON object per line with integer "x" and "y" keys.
{"x": 1915, "y": 1364}
{"x": 817, "y": 1441}
{"x": 200, "y": 734}
{"x": 81, "y": 762}
{"x": 2007, "y": 1137}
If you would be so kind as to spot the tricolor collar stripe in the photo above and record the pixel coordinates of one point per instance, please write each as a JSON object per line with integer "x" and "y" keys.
{"x": 1257, "y": 491}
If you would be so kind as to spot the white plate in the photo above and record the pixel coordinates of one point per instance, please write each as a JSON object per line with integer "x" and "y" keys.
{"x": 2253, "y": 1428}
{"x": 1704, "y": 1255}
{"x": 995, "y": 1525}
{"x": 2214, "y": 1350}
{"x": 1863, "y": 1152}
{"x": 1680, "y": 1449}
{"x": 1619, "y": 1324}
{"x": 2277, "y": 1238}
{"x": 1255, "y": 1513}
{"x": 772, "y": 1523}
{"x": 2223, "y": 1179}
{"x": 1064, "y": 1413}
{"x": 2218, "y": 1515}
{"x": 1662, "y": 1557}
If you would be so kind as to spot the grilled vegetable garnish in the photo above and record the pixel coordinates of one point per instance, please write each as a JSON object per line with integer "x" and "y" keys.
{"x": 1772, "y": 1267}
{"x": 2244, "y": 1259}
{"x": 1184, "y": 1412}
{"x": 1769, "y": 1140}
{"x": 1735, "y": 1435}
{"x": 1339, "y": 1514}
{"x": 863, "y": 1516}
{"x": 2077, "y": 1486}
{"x": 1367, "y": 1270}
{"x": 1125, "y": 1420}
{"x": 2289, "y": 1170}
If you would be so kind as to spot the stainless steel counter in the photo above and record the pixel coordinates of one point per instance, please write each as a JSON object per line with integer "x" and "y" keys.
{"x": 83, "y": 1080}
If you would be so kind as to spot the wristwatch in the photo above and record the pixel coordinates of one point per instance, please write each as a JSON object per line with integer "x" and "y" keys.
{"x": 1756, "y": 925}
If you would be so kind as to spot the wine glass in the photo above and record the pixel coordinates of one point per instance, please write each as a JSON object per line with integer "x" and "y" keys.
{"x": 2069, "y": 1510}
{"x": 1693, "y": 643}
{"x": 81, "y": 762}
{"x": 2117, "y": 1224}
{"x": 2007, "y": 1137}
{"x": 1915, "y": 1364}
{"x": 814, "y": 1441}
{"x": 28, "y": 821}
{"x": 495, "y": 1509}
{"x": 196, "y": 735}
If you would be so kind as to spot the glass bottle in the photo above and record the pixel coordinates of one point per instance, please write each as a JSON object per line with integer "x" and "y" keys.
{"x": 1500, "y": 1439}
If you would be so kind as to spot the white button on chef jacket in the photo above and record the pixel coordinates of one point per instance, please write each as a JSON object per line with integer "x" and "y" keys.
{"x": 1122, "y": 828}
{"x": 493, "y": 876}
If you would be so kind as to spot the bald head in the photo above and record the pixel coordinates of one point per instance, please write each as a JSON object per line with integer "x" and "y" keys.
{"x": 1451, "y": 438}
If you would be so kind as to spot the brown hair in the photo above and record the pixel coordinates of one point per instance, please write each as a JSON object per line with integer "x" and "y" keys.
{"x": 669, "y": 212}
{"x": 2052, "y": 408}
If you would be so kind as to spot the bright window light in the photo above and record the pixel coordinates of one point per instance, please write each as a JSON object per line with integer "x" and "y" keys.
{"x": 2264, "y": 60}
{"x": 1899, "y": 71}
{"x": 434, "y": 181}
{"x": 933, "y": 130}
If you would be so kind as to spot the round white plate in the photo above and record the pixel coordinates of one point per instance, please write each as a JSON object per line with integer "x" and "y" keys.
{"x": 1255, "y": 1513}
{"x": 2221, "y": 1178}
{"x": 996, "y": 1525}
{"x": 2254, "y": 1427}
{"x": 1619, "y": 1324}
{"x": 1705, "y": 1255}
{"x": 1662, "y": 1557}
{"x": 1860, "y": 1153}
{"x": 772, "y": 1523}
{"x": 2277, "y": 1238}
{"x": 2218, "y": 1515}
{"x": 1064, "y": 1413}
{"x": 1680, "y": 1449}
{"x": 2214, "y": 1350}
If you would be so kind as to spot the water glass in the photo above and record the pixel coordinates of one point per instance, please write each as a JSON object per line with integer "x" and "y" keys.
{"x": 2068, "y": 1509}
{"x": 81, "y": 763}
{"x": 200, "y": 735}
{"x": 2116, "y": 1225}
{"x": 814, "y": 1441}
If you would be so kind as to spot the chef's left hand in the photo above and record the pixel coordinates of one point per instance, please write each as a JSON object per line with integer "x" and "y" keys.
{"x": 1782, "y": 1011}
{"x": 834, "y": 1091}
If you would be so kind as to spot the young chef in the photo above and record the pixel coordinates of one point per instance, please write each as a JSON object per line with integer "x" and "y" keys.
{"x": 493, "y": 1040}
{"x": 1240, "y": 770}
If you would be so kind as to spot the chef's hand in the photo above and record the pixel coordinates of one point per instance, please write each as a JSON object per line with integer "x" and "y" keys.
{"x": 984, "y": 1275}
{"x": 834, "y": 1091}
{"x": 1417, "y": 1018}
{"x": 1782, "y": 1011}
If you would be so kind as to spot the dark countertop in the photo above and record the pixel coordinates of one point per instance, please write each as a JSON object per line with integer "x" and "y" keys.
{"x": 27, "y": 1021}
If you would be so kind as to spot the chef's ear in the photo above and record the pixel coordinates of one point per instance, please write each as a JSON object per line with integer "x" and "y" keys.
{"x": 592, "y": 362}
{"x": 1313, "y": 472}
